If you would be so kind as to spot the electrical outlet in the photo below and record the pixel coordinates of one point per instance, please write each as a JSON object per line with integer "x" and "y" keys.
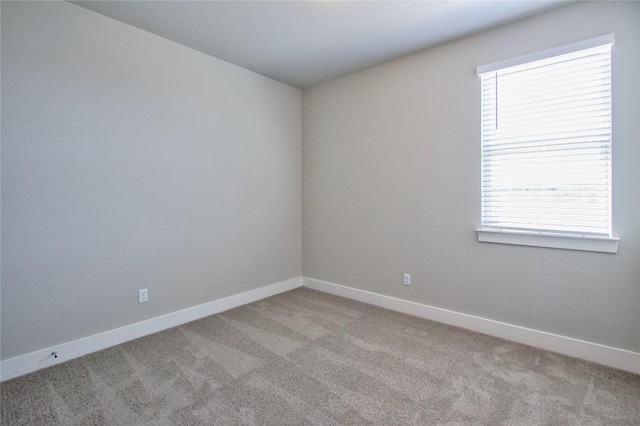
{"x": 143, "y": 295}
{"x": 407, "y": 279}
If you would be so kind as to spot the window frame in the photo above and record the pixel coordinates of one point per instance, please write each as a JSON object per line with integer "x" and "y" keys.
{"x": 559, "y": 240}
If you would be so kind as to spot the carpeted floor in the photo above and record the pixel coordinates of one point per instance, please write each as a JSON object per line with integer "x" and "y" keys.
{"x": 305, "y": 357}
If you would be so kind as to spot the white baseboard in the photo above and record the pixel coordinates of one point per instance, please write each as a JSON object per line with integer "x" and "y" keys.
{"x": 33, "y": 361}
{"x": 606, "y": 355}
{"x": 613, "y": 357}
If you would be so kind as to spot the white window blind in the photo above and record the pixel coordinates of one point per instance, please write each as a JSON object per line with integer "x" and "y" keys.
{"x": 546, "y": 143}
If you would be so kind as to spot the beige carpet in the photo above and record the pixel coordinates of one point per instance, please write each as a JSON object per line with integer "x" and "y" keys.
{"x": 304, "y": 357}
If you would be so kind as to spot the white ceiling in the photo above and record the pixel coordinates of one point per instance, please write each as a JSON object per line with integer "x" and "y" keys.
{"x": 303, "y": 43}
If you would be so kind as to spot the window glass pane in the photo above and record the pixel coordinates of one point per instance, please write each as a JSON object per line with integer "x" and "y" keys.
{"x": 546, "y": 145}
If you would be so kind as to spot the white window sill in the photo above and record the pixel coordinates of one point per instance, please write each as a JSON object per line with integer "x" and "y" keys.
{"x": 544, "y": 239}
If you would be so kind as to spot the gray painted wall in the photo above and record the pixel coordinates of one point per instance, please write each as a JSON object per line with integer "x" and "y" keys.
{"x": 391, "y": 184}
{"x": 131, "y": 162}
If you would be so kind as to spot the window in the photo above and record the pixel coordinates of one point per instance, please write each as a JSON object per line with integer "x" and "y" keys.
{"x": 546, "y": 148}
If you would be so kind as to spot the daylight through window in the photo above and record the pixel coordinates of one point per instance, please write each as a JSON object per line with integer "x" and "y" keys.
{"x": 546, "y": 141}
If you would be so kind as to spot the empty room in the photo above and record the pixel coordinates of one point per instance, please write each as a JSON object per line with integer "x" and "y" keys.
{"x": 320, "y": 212}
